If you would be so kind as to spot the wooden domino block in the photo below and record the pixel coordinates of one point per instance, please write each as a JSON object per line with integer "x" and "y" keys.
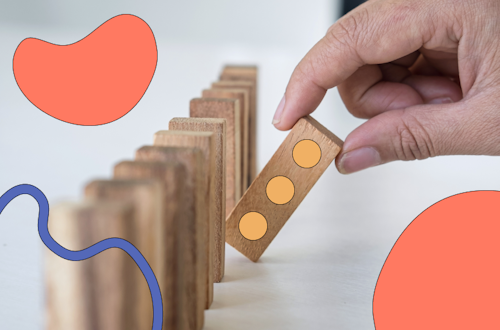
{"x": 218, "y": 128}
{"x": 205, "y": 142}
{"x": 249, "y": 86}
{"x": 278, "y": 190}
{"x": 97, "y": 293}
{"x": 194, "y": 241}
{"x": 146, "y": 198}
{"x": 239, "y": 72}
{"x": 243, "y": 97}
{"x": 229, "y": 109}
{"x": 243, "y": 75}
{"x": 176, "y": 275}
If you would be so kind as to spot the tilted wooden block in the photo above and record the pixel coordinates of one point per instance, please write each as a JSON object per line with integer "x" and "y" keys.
{"x": 245, "y": 76}
{"x": 205, "y": 142}
{"x": 194, "y": 241}
{"x": 278, "y": 190}
{"x": 176, "y": 270}
{"x": 146, "y": 198}
{"x": 243, "y": 97}
{"x": 229, "y": 109}
{"x": 95, "y": 293}
{"x": 218, "y": 127}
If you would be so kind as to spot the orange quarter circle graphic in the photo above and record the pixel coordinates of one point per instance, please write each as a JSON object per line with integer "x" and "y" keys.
{"x": 253, "y": 226}
{"x": 306, "y": 153}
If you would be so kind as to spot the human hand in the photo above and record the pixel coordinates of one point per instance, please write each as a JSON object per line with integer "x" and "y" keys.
{"x": 426, "y": 73}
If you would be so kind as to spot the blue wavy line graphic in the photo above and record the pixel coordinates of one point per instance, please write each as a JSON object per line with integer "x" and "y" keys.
{"x": 129, "y": 248}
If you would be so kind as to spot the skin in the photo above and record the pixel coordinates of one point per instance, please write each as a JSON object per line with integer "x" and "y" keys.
{"x": 425, "y": 73}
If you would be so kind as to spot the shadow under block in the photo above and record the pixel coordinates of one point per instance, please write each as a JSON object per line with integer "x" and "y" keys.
{"x": 217, "y": 126}
{"x": 228, "y": 109}
{"x": 243, "y": 76}
{"x": 96, "y": 293}
{"x": 243, "y": 97}
{"x": 281, "y": 164}
{"x": 194, "y": 240}
{"x": 176, "y": 270}
{"x": 205, "y": 142}
{"x": 145, "y": 196}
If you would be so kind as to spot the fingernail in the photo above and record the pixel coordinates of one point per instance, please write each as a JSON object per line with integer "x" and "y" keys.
{"x": 279, "y": 111}
{"x": 359, "y": 159}
{"x": 441, "y": 100}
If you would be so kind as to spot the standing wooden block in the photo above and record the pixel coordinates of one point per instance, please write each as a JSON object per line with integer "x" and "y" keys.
{"x": 96, "y": 293}
{"x": 243, "y": 97}
{"x": 239, "y": 72}
{"x": 278, "y": 190}
{"x": 228, "y": 109}
{"x": 252, "y": 142}
{"x": 245, "y": 76}
{"x": 205, "y": 142}
{"x": 194, "y": 240}
{"x": 146, "y": 198}
{"x": 176, "y": 272}
{"x": 218, "y": 128}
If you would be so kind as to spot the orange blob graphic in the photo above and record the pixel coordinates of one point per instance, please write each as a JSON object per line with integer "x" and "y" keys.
{"x": 93, "y": 81}
{"x": 443, "y": 272}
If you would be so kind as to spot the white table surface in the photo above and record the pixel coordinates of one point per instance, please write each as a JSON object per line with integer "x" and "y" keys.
{"x": 321, "y": 270}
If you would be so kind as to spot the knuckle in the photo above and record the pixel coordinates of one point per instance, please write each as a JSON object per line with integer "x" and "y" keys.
{"x": 412, "y": 140}
{"x": 349, "y": 31}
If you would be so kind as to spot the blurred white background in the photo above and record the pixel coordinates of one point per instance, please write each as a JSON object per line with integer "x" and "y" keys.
{"x": 321, "y": 270}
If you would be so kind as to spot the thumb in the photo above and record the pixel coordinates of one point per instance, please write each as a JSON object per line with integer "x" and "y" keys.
{"x": 419, "y": 132}
{"x": 375, "y": 32}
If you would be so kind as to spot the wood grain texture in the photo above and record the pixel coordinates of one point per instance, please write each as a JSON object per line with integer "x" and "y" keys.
{"x": 239, "y": 72}
{"x": 242, "y": 76}
{"x": 243, "y": 97}
{"x": 205, "y": 142}
{"x": 145, "y": 196}
{"x": 175, "y": 272}
{"x": 228, "y": 109}
{"x": 217, "y": 126}
{"x": 282, "y": 163}
{"x": 252, "y": 117}
{"x": 93, "y": 293}
{"x": 193, "y": 241}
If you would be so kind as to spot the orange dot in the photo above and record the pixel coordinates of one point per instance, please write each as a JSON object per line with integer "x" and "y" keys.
{"x": 280, "y": 190}
{"x": 253, "y": 226}
{"x": 306, "y": 153}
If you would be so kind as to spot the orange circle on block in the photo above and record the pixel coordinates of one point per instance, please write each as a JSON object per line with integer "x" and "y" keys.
{"x": 280, "y": 190}
{"x": 443, "y": 271}
{"x": 253, "y": 226}
{"x": 306, "y": 153}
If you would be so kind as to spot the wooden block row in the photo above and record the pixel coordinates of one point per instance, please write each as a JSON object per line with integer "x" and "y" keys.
{"x": 242, "y": 96}
{"x": 171, "y": 203}
{"x": 245, "y": 77}
{"x": 236, "y": 83}
{"x": 108, "y": 291}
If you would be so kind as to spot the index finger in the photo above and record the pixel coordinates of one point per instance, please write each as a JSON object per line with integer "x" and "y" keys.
{"x": 374, "y": 33}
